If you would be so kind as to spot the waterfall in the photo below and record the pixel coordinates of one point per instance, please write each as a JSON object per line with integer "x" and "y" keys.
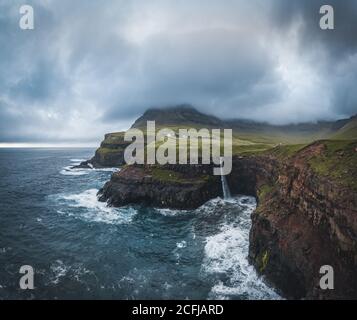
{"x": 225, "y": 187}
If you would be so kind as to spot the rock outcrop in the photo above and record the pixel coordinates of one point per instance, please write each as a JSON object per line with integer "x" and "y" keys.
{"x": 171, "y": 186}
{"x": 303, "y": 222}
{"x": 109, "y": 154}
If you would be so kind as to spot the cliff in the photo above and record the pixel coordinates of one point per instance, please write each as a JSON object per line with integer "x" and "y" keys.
{"x": 109, "y": 154}
{"x": 306, "y": 215}
{"x": 306, "y": 218}
{"x": 171, "y": 186}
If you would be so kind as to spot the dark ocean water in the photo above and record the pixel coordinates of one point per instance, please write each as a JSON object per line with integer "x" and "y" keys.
{"x": 80, "y": 249}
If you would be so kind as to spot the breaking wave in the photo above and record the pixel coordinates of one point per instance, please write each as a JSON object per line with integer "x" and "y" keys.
{"x": 93, "y": 210}
{"x": 77, "y": 161}
{"x": 170, "y": 212}
{"x": 70, "y": 171}
{"x": 226, "y": 257}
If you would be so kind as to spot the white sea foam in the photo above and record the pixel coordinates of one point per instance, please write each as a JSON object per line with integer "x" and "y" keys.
{"x": 87, "y": 199}
{"x": 226, "y": 253}
{"x": 77, "y": 160}
{"x": 167, "y": 286}
{"x": 4, "y": 250}
{"x": 96, "y": 211}
{"x": 207, "y": 207}
{"x": 60, "y": 270}
{"x": 212, "y": 204}
{"x": 70, "y": 171}
{"x": 106, "y": 169}
{"x": 181, "y": 245}
{"x": 170, "y": 212}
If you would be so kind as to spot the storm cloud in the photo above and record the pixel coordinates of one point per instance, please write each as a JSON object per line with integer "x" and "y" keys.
{"x": 92, "y": 67}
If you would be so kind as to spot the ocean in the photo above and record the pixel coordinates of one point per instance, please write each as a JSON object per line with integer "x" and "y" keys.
{"x": 79, "y": 248}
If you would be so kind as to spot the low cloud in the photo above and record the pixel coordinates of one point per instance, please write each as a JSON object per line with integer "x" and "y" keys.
{"x": 92, "y": 67}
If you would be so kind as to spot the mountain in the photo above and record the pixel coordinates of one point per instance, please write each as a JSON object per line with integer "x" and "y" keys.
{"x": 294, "y": 133}
{"x": 182, "y": 115}
{"x": 259, "y": 132}
{"x": 348, "y": 130}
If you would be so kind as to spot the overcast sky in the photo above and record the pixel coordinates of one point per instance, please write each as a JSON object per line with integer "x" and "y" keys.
{"x": 92, "y": 67}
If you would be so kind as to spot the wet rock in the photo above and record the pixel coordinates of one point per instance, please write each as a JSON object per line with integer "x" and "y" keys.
{"x": 177, "y": 187}
{"x": 303, "y": 221}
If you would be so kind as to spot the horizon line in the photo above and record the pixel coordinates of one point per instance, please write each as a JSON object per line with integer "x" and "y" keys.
{"x": 29, "y": 145}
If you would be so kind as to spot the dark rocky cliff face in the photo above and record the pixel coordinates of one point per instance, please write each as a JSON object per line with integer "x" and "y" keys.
{"x": 171, "y": 186}
{"x": 303, "y": 221}
{"x": 109, "y": 154}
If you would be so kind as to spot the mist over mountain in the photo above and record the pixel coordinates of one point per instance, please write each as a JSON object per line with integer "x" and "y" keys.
{"x": 188, "y": 116}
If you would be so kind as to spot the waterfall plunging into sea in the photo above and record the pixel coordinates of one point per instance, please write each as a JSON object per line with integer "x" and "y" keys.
{"x": 225, "y": 187}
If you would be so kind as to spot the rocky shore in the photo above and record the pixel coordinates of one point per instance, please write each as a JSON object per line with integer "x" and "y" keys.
{"x": 171, "y": 186}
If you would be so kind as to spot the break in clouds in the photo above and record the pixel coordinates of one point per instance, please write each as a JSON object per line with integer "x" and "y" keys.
{"x": 92, "y": 67}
